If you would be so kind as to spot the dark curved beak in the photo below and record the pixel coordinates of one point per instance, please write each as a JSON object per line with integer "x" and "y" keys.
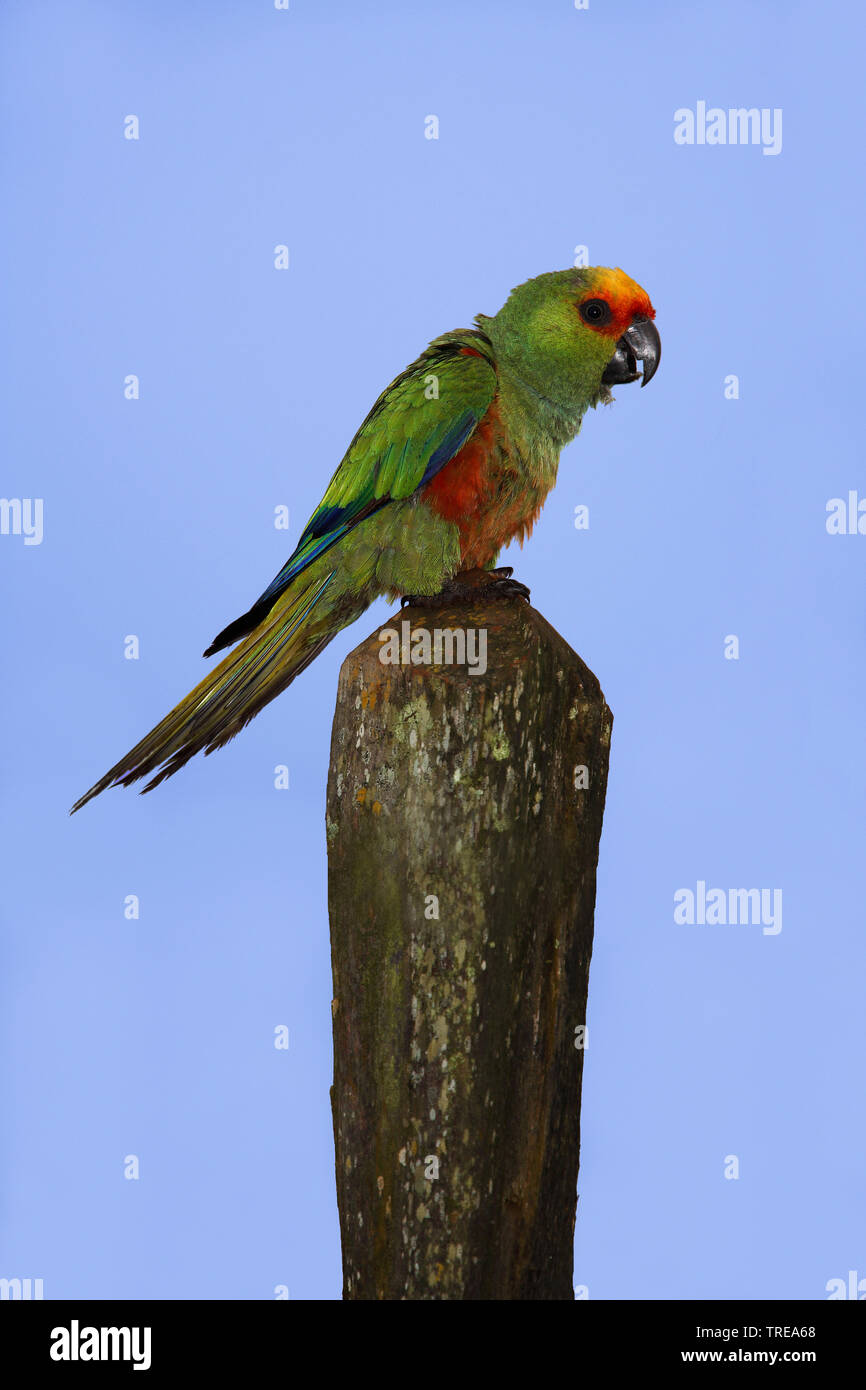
{"x": 639, "y": 343}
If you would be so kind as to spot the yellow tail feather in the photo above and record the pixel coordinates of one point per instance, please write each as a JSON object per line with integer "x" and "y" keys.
{"x": 253, "y": 674}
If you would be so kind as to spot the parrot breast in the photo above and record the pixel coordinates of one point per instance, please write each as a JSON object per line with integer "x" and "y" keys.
{"x": 485, "y": 492}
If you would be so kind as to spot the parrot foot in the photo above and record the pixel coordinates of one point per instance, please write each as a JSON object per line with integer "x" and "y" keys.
{"x": 503, "y": 586}
{"x": 468, "y": 587}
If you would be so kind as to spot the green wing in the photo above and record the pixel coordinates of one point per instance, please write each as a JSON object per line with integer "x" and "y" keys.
{"x": 416, "y": 426}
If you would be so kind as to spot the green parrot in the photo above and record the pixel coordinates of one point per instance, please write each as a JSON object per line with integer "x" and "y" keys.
{"x": 454, "y": 460}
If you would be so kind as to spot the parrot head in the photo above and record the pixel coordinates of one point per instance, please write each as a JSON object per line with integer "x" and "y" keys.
{"x": 573, "y": 334}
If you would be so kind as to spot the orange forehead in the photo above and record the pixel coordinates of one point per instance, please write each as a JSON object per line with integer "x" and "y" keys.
{"x": 624, "y": 295}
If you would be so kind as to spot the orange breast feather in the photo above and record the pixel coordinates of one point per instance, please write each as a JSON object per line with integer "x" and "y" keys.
{"x": 482, "y": 495}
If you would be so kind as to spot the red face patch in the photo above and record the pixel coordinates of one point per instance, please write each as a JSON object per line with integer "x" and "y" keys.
{"x": 624, "y": 297}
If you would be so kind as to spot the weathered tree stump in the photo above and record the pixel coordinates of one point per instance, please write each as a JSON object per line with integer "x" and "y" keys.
{"x": 463, "y": 817}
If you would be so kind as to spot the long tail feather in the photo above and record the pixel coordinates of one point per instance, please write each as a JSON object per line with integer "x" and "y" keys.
{"x": 252, "y": 675}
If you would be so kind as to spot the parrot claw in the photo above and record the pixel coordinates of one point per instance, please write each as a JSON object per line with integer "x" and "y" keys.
{"x": 507, "y": 588}
{"x": 471, "y": 586}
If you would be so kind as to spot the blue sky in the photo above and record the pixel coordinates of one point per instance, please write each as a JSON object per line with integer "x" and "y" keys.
{"x": 155, "y": 257}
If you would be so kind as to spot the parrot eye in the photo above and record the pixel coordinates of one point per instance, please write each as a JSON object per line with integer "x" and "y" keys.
{"x": 595, "y": 312}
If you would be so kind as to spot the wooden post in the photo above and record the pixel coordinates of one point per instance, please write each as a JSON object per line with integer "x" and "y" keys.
{"x": 463, "y": 818}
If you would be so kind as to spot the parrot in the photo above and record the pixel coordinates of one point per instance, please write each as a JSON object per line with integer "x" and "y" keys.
{"x": 453, "y": 461}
